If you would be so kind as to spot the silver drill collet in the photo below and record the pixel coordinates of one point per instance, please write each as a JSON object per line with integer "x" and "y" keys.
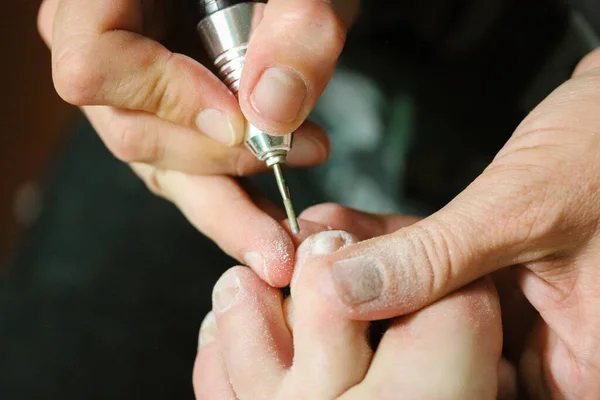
{"x": 225, "y": 28}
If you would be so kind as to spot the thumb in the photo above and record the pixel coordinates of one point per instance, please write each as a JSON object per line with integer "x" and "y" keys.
{"x": 485, "y": 228}
{"x": 536, "y": 202}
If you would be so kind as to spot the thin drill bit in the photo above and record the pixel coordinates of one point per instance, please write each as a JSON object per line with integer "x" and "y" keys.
{"x": 287, "y": 200}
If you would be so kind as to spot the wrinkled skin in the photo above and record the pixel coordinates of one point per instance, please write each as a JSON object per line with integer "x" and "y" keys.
{"x": 535, "y": 209}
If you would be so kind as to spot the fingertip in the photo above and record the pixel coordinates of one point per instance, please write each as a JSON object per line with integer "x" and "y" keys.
{"x": 272, "y": 256}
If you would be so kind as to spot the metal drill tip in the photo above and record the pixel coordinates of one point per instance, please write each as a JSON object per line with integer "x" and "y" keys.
{"x": 287, "y": 201}
{"x": 289, "y": 210}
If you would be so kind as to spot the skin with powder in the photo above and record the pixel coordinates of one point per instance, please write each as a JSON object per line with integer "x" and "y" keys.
{"x": 307, "y": 352}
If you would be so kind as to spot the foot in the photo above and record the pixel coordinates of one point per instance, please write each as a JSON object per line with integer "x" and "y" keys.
{"x": 256, "y": 345}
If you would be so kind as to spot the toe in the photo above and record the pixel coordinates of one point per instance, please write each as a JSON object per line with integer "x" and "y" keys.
{"x": 210, "y": 378}
{"x": 252, "y": 332}
{"x": 326, "y": 346}
{"x": 448, "y": 350}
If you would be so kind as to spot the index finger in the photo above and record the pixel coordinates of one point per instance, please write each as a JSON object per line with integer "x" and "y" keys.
{"x": 99, "y": 57}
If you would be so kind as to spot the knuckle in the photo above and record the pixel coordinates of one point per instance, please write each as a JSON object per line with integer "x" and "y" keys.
{"x": 76, "y": 78}
{"x": 160, "y": 96}
{"x": 438, "y": 256}
{"x": 131, "y": 143}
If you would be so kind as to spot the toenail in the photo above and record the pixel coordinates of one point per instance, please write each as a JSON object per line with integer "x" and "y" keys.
{"x": 358, "y": 280}
{"x": 257, "y": 262}
{"x": 322, "y": 243}
{"x": 208, "y": 330}
{"x": 225, "y": 292}
{"x": 329, "y": 242}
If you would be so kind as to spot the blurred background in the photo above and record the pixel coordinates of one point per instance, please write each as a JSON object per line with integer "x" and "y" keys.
{"x": 103, "y": 286}
{"x": 33, "y": 120}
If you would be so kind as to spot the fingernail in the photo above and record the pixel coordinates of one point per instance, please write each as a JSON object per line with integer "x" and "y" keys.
{"x": 216, "y": 124}
{"x": 330, "y": 242}
{"x": 279, "y": 94}
{"x": 225, "y": 292}
{"x": 307, "y": 149}
{"x": 255, "y": 261}
{"x": 358, "y": 280}
{"x": 208, "y": 330}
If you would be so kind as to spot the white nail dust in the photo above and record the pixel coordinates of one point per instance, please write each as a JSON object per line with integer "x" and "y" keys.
{"x": 322, "y": 243}
{"x": 330, "y": 241}
{"x": 277, "y": 251}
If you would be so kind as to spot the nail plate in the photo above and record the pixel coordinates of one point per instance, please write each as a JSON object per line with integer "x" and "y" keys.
{"x": 215, "y": 124}
{"x": 257, "y": 262}
{"x": 307, "y": 149}
{"x": 358, "y": 280}
{"x": 329, "y": 242}
{"x": 279, "y": 94}
{"x": 225, "y": 292}
{"x": 208, "y": 330}
{"x": 254, "y": 260}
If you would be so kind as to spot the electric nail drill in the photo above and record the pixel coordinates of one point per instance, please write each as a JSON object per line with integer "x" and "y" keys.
{"x": 225, "y": 28}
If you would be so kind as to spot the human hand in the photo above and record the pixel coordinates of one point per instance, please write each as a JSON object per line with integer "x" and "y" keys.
{"x": 178, "y": 126}
{"x": 536, "y": 208}
{"x": 254, "y": 345}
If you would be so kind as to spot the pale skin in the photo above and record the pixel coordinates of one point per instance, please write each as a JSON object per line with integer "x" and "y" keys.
{"x": 535, "y": 208}
{"x": 255, "y": 345}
